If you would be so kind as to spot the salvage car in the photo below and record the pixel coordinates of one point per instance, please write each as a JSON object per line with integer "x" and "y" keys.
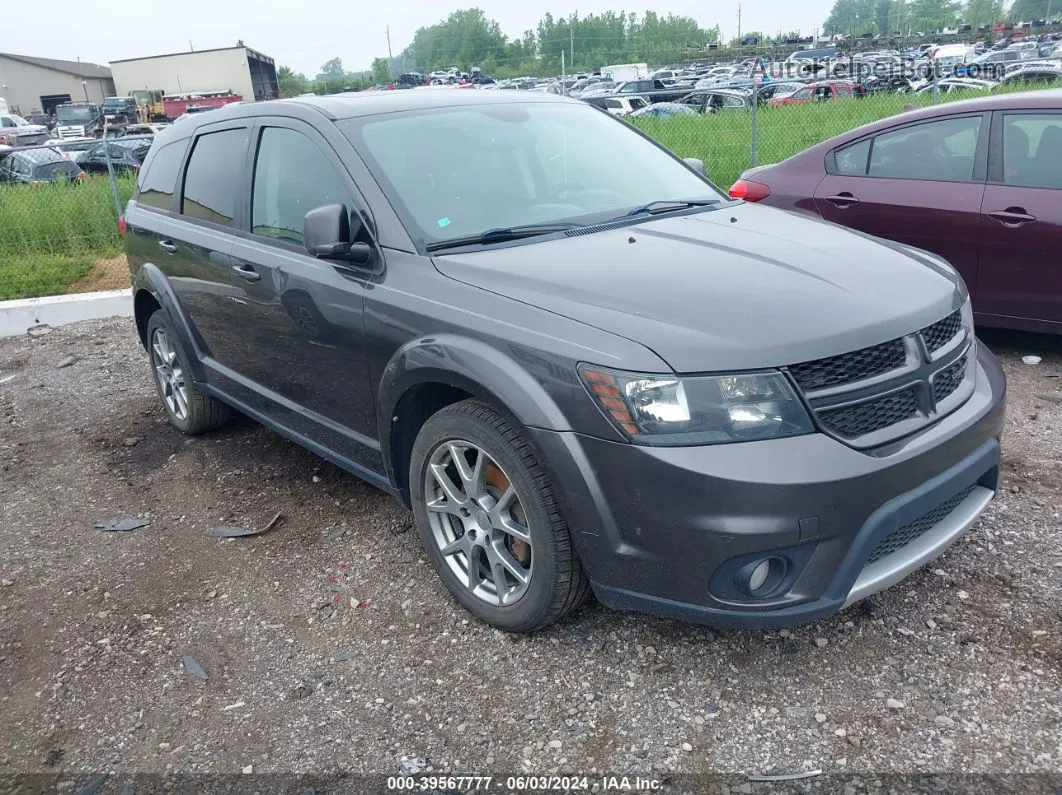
{"x": 126, "y": 154}
{"x": 579, "y": 377}
{"x": 38, "y": 166}
{"x": 978, "y": 182}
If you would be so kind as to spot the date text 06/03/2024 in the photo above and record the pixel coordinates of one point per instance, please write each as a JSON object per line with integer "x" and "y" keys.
{"x": 524, "y": 783}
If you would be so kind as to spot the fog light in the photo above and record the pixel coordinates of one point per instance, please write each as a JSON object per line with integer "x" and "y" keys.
{"x": 759, "y": 575}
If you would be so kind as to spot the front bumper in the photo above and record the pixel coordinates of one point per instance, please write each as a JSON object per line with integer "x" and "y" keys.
{"x": 663, "y": 530}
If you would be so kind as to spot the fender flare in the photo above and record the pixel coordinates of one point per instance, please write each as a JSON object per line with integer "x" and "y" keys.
{"x": 472, "y": 366}
{"x": 152, "y": 280}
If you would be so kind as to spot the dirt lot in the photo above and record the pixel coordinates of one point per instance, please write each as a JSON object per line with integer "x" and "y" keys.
{"x": 330, "y": 645}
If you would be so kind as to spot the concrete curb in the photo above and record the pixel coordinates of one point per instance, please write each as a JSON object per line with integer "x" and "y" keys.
{"x": 58, "y": 310}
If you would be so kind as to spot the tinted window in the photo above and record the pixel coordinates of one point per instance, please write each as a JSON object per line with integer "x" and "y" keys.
{"x": 1032, "y": 150}
{"x": 158, "y": 181}
{"x": 291, "y": 177}
{"x": 852, "y": 159}
{"x": 940, "y": 150}
{"x": 212, "y": 176}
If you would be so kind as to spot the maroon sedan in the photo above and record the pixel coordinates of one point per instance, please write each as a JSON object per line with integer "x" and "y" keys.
{"x": 978, "y": 182}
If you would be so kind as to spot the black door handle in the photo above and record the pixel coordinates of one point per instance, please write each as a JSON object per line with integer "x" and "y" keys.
{"x": 1012, "y": 216}
{"x": 842, "y": 200}
{"x": 168, "y": 246}
{"x": 247, "y": 273}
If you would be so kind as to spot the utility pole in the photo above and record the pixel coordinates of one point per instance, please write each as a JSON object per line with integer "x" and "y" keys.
{"x": 739, "y": 24}
{"x": 389, "y": 56}
{"x": 571, "y": 30}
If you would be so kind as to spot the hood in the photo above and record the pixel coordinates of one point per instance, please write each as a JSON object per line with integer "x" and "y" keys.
{"x": 740, "y": 287}
{"x": 30, "y": 129}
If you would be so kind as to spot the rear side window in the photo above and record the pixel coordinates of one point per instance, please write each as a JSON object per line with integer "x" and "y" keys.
{"x": 941, "y": 150}
{"x": 291, "y": 177}
{"x": 213, "y": 175}
{"x": 159, "y": 179}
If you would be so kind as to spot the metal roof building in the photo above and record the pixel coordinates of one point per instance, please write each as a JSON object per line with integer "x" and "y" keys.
{"x": 39, "y": 84}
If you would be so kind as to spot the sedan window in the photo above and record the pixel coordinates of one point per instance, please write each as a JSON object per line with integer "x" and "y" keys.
{"x": 1032, "y": 150}
{"x": 942, "y": 150}
{"x": 851, "y": 160}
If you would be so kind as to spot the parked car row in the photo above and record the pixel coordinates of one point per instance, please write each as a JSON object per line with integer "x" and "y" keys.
{"x": 59, "y": 160}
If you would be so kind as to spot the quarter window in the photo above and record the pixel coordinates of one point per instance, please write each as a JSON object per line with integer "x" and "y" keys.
{"x": 212, "y": 176}
{"x": 852, "y": 159}
{"x": 158, "y": 181}
{"x": 291, "y": 177}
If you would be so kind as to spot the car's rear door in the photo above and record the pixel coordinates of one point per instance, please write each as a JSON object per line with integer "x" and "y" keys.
{"x": 190, "y": 198}
{"x": 303, "y": 362}
{"x": 919, "y": 184}
{"x": 1020, "y": 266}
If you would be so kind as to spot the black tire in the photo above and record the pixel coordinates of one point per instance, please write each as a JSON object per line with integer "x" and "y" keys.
{"x": 558, "y": 583}
{"x": 203, "y": 413}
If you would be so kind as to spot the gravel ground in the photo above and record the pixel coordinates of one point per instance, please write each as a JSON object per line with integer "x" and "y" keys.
{"x": 330, "y": 646}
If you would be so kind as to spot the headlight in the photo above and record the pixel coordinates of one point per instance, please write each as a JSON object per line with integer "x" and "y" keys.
{"x": 674, "y": 410}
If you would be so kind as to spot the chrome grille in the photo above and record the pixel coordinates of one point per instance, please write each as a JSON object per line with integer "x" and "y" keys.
{"x": 898, "y": 539}
{"x": 854, "y": 366}
{"x": 942, "y": 332}
{"x": 864, "y": 418}
{"x": 947, "y": 380}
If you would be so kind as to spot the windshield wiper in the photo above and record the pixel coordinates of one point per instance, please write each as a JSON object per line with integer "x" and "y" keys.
{"x": 670, "y": 205}
{"x": 501, "y": 235}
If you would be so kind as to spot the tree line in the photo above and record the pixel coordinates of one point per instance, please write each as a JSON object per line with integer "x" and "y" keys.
{"x": 468, "y": 38}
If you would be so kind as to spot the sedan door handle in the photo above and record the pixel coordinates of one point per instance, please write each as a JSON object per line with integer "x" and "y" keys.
{"x": 842, "y": 200}
{"x": 247, "y": 273}
{"x": 1012, "y": 216}
{"x": 168, "y": 246}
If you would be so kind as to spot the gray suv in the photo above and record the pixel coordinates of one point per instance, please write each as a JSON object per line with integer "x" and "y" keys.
{"x": 580, "y": 364}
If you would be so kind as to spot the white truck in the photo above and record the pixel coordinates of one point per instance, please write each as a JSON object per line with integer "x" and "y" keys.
{"x": 622, "y": 72}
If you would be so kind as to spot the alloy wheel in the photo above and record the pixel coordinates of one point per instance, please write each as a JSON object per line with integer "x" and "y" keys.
{"x": 478, "y": 521}
{"x": 169, "y": 374}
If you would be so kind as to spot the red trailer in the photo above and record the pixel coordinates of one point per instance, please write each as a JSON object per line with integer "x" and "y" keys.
{"x": 175, "y": 105}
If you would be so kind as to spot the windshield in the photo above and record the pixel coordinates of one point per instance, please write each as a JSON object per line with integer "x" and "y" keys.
{"x": 79, "y": 115}
{"x": 459, "y": 171}
{"x": 19, "y": 121}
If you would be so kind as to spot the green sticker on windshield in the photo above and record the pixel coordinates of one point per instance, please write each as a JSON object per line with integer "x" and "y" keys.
{"x": 443, "y": 223}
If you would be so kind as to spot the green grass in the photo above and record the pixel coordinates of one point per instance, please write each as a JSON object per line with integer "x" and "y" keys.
{"x": 51, "y": 235}
{"x": 724, "y": 140}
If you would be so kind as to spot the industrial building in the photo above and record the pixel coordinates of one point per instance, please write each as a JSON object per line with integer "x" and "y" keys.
{"x": 39, "y": 84}
{"x": 238, "y": 69}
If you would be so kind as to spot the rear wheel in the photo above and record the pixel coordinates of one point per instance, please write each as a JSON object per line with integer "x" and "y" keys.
{"x": 190, "y": 411}
{"x": 489, "y": 521}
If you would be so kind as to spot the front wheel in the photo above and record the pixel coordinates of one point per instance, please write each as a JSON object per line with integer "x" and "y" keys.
{"x": 489, "y": 520}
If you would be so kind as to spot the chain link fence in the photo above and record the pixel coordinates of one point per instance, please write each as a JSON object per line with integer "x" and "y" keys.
{"x": 59, "y": 210}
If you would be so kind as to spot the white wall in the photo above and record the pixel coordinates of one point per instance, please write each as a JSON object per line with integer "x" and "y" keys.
{"x": 209, "y": 70}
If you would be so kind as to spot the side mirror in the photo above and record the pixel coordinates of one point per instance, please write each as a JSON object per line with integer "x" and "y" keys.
{"x": 326, "y": 235}
{"x": 695, "y": 164}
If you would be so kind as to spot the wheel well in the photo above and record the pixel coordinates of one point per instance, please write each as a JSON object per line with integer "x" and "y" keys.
{"x": 144, "y": 306}
{"x": 415, "y": 407}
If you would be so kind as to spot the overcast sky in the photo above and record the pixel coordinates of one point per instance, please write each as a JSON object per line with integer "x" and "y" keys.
{"x": 304, "y": 37}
